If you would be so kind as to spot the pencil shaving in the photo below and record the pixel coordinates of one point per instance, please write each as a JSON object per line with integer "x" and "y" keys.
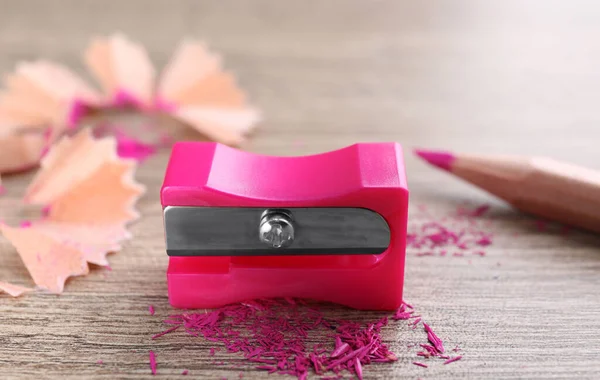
{"x": 123, "y": 70}
{"x": 41, "y": 94}
{"x": 14, "y": 290}
{"x": 48, "y": 261}
{"x": 197, "y": 91}
{"x": 89, "y": 194}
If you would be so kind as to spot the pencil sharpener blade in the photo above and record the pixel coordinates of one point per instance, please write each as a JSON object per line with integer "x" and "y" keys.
{"x": 329, "y": 227}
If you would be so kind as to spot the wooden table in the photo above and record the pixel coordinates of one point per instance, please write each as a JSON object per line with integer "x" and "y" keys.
{"x": 506, "y": 77}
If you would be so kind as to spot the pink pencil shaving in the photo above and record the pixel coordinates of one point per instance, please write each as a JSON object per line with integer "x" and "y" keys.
{"x": 452, "y": 360}
{"x": 402, "y": 314}
{"x": 434, "y": 339}
{"x": 165, "y": 332}
{"x": 152, "y": 363}
{"x": 415, "y": 323}
{"x": 130, "y": 147}
{"x": 358, "y": 369}
{"x": 420, "y": 364}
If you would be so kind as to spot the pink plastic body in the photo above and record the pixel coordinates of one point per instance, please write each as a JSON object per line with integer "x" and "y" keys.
{"x": 370, "y": 176}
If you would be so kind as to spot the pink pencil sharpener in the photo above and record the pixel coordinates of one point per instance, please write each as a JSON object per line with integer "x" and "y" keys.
{"x": 328, "y": 227}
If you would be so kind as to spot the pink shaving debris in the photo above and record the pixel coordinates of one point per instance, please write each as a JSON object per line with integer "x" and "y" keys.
{"x": 434, "y": 339}
{"x": 340, "y": 348}
{"x": 129, "y": 147}
{"x": 99, "y": 362}
{"x": 151, "y": 309}
{"x": 402, "y": 314}
{"x": 276, "y": 335}
{"x": 462, "y": 232}
{"x": 452, "y": 360}
{"x": 152, "y": 362}
{"x": 165, "y": 332}
{"x": 429, "y": 350}
{"x": 185, "y": 372}
{"x": 415, "y": 323}
{"x": 358, "y": 369}
{"x": 433, "y": 350}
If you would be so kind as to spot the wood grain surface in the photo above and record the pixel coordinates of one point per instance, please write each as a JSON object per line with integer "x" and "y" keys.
{"x": 519, "y": 77}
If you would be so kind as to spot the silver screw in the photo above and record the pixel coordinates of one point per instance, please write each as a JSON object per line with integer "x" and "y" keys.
{"x": 276, "y": 228}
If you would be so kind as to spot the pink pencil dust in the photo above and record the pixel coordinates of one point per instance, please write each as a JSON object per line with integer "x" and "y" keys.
{"x": 462, "y": 232}
{"x": 295, "y": 337}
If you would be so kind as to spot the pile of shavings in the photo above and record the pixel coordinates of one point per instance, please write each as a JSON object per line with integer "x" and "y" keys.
{"x": 88, "y": 195}
{"x": 292, "y": 337}
{"x": 43, "y": 100}
{"x": 460, "y": 233}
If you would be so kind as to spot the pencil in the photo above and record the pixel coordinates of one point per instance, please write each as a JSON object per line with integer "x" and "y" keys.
{"x": 540, "y": 186}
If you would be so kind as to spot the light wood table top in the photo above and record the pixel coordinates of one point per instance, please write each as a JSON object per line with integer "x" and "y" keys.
{"x": 513, "y": 76}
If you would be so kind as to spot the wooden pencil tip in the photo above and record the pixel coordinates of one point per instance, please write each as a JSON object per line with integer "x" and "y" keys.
{"x": 442, "y": 160}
